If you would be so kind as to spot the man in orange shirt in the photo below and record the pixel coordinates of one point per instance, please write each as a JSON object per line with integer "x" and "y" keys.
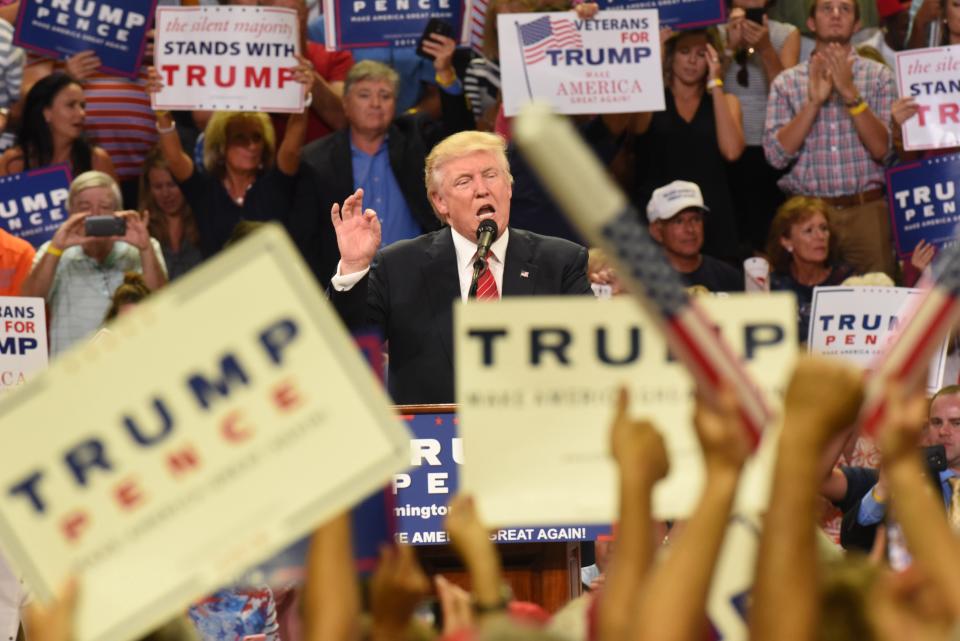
{"x": 16, "y": 257}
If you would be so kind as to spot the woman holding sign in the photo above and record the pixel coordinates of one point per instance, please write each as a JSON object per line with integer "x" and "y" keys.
{"x": 52, "y": 131}
{"x": 695, "y": 137}
{"x": 246, "y": 175}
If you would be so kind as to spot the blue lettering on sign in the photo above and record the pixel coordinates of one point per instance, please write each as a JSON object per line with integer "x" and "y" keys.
{"x": 923, "y": 199}
{"x": 33, "y": 203}
{"x": 91, "y": 454}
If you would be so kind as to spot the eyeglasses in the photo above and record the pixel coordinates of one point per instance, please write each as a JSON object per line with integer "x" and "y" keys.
{"x": 245, "y": 140}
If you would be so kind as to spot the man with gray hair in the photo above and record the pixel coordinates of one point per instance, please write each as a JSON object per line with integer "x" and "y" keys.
{"x": 383, "y": 154}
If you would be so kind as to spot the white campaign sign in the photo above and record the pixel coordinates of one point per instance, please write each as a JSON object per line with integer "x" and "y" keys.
{"x": 856, "y": 323}
{"x": 607, "y": 64}
{"x": 23, "y": 341}
{"x": 536, "y": 382}
{"x": 228, "y": 58}
{"x": 225, "y": 417}
{"x": 930, "y": 76}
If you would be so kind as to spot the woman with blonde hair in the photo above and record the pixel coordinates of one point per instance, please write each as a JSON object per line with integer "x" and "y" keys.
{"x": 246, "y": 175}
{"x": 172, "y": 221}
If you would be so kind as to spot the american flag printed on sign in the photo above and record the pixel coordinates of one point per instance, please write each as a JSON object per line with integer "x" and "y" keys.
{"x": 547, "y": 33}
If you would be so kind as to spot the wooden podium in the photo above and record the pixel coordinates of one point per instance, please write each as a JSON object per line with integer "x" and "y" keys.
{"x": 546, "y": 573}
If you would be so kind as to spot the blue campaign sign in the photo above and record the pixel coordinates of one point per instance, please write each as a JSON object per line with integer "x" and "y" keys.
{"x": 34, "y": 203}
{"x": 923, "y": 202}
{"x": 677, "y": 14}
{"x": 116, "y": 30}
{"x": 422, "y": 494}
{"x": 358, "y": 24}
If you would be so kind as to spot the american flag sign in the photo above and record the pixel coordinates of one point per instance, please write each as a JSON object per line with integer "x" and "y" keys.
{"x": 547, "y": 33}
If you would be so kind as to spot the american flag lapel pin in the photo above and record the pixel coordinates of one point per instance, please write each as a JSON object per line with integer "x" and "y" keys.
{"x": 524, "y": 274}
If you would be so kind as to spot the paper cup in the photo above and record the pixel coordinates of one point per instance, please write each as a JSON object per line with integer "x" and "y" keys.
{"x": 756, "y": 274}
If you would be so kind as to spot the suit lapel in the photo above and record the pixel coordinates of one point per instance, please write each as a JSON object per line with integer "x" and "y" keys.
{"x": 344, "y": 173}
{"x": 442, "y": 276}
{"x": 519, "y": 270}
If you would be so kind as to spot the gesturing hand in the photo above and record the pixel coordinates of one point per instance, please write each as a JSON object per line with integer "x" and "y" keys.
{"x": 358, "y": 233}
{"x": 82, "y": 65}
{"x": 823, "y": 397}
{"x": 721, "y": 432}
{"x": 820, "y": 84}
{"x": 137, "y": 232}
{"x": 636, "y": 446}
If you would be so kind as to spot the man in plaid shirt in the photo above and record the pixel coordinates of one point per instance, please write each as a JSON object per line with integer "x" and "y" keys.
{"x": 827, "y": 121}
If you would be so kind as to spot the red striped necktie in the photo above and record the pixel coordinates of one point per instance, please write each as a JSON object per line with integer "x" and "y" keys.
{"x": 487, "y": 286}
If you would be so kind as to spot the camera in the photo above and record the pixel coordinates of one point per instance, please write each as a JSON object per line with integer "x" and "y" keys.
{"x": 104, "y": 226}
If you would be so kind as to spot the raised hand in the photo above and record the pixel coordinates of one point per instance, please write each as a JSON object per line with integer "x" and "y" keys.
{"x": 53, "y": 621}
{"x": 441, "y": 48}
{"x": 922, "y": 255}
{"x": 137, "y": 234}
{"x": 823, "y": 398}
{"x": 358, "y": 233}
{"x": 713, "y": 63}
{"x": 757, "y": 35}
{"x": 83, "y": 65}
{"x": 587, "y": 10}
{"x": 901, "y": 427}
{"x": 305, "y": 74}
{"x": 71, "y": 232}
{"x": 636, "y": 445}
{"x": 721, "y": 432}
{"x": 840, "y": 67}
{"x": 396, "y": 588}
{"x": 820, "y": 85}
{"x": 735, "y": 28}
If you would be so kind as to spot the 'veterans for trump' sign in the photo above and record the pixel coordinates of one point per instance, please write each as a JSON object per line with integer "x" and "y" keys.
{"x": 607, "y": 64}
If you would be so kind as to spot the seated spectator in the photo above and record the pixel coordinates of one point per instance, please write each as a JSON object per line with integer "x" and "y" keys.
{"x": 695, "y": 137}
{"x": 16, "y": 257}
{"x": 247, "y": 175}
{"x": 384, "y": 155}
{"x": 761, "y": 50}
{"x": 676, "y": 213}
{"x": 52, "y": 131}
{"x": 77, "y": 274}
{"x": 171, "y": 220}
{"x": 802, "y": 252}
{"x": 133, "y": 290}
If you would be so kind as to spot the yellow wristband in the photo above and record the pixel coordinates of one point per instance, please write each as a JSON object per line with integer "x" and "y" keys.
{"x": 716, "y": 82}
{"x": 445, "y": 85}
{"x": 859, "y": 109}
{"x": 53, "y": 251}
{"x": 873, "y": 493}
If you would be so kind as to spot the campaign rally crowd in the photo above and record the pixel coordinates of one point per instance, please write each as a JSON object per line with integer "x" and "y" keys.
{"x": 778, "y": 127}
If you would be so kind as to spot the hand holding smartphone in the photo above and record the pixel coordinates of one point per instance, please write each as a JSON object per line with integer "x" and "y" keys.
{"x": 436, "y": 25}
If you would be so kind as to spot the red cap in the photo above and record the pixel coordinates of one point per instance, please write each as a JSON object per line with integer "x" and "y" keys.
{"x": 887, "y": 8}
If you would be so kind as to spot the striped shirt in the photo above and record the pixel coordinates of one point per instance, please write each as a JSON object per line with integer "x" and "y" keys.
{"x": 11, "y": 75}
{"x": 481, "y": 85}
{"x": 120, "y": 119}
{"x": 832, "y": 160}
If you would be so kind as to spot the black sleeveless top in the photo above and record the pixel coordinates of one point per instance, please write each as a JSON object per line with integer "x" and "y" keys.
{"x": 674, "y": 149}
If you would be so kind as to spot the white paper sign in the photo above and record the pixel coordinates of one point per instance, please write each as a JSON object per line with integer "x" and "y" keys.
{"x": 536, "y": 384}
{"x": 607, "y": 64}
{"x": 856, "y": 323}
{"x": 930, "y": 76}
{"x": 23, "y": 341}
{"x": 222, "y": 419}
{"x": 228, "y": 58}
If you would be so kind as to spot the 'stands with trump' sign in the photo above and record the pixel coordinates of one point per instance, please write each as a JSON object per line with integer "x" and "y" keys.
{"x": 148, "y": 462}
{"x": 33, "y": 204}
{"x": 230, "y": 58}
{"x": 536, "y": 382}
{"x": 116, "y": 30}
{"x": 930, "y": 77}
{"x": 607, "y": 64}
{"x": 923, "y": 202}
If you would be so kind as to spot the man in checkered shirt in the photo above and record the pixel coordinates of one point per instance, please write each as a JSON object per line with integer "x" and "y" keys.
{"x": 827, "y": 121}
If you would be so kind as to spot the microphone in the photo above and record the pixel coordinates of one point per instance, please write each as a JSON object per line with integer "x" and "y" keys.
{"x": 486, "y": 234}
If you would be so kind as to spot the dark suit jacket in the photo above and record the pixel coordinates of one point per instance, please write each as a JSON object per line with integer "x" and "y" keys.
{"x": 409, "y": 294}
{"x": 409, "y": 140}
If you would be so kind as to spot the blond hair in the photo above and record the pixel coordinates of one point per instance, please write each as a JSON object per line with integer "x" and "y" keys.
{"x": 459, "y": 145}
{"x": 215, "y": 138}
{"x": 90, "y": 180}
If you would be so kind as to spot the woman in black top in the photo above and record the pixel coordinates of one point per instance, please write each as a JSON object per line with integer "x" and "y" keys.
{"x": 694, "y": 138}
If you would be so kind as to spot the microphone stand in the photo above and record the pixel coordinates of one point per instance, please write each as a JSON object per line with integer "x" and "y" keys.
{"x": 478, "y": 266}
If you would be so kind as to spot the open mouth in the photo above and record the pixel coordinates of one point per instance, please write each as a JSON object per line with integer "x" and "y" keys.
{"x": 486, "y": 211}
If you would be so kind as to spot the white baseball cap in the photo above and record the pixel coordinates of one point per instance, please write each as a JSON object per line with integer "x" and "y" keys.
{"x": 670, "y": 200}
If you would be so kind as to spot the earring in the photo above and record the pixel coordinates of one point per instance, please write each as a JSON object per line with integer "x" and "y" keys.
{"x": 790, "y": 249}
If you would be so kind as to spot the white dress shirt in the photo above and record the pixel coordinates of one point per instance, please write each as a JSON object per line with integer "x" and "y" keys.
{"x": 466, "y": 251}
